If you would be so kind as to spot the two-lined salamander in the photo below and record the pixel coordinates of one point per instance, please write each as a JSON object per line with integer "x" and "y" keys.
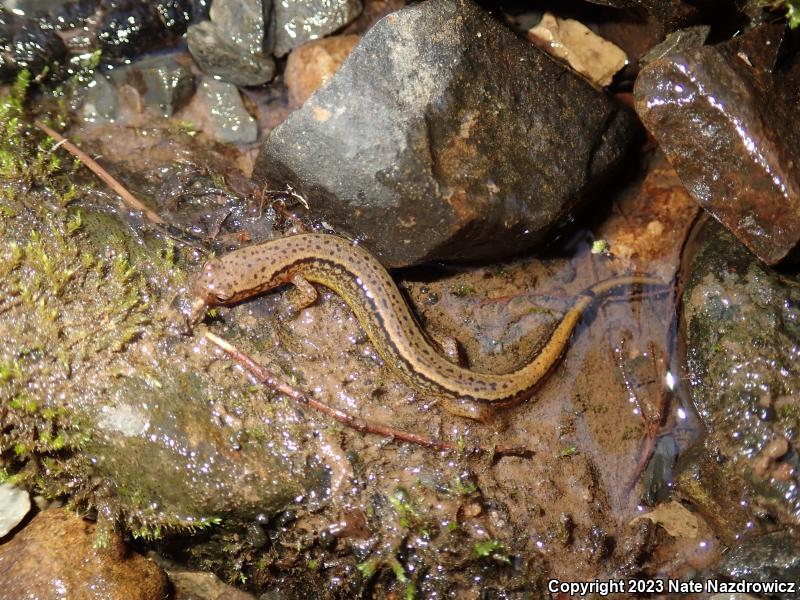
{"x": 369, "y": 290}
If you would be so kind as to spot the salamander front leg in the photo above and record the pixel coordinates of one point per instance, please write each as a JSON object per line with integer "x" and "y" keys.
{"x": 448, "y": 345}
{"x": 302, "y": 294}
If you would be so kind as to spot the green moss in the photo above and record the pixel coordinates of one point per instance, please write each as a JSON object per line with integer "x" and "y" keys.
{"x": 73, "y": 297}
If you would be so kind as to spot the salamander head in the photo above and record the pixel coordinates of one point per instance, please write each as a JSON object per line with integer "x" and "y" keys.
{"x": 213, "y": 286}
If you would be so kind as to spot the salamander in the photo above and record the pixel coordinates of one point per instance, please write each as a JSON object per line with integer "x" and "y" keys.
{"x": 357, "y": 276}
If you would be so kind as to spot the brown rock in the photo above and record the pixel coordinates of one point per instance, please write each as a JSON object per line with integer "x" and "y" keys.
{"x": 54, "y": 558}
{"x": 726, "y": 122}
{"x": 197, "y": 585}
{"x": 312, "y": 64}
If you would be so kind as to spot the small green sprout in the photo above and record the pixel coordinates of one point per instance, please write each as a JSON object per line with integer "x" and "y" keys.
{"x": 398, "y": 570}
{"x": 401, "y": 502}
{"x": 368, "y": 567}
{"x": 463, "y": 486}
{"x": 75, "y": 223}
{"x": 600, "y": 247}
{"x": 492, "y": 549}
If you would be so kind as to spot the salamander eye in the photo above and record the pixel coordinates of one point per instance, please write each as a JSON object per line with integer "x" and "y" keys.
{"x": 219, "y": 292}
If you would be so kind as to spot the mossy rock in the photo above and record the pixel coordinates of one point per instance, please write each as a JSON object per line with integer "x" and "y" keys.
{"x": 742, "y": 329}
{"x": 101, "y": 402}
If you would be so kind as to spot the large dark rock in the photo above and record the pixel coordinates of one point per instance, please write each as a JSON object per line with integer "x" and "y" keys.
{"x": 444, "y": 136}
{"x": 742, "y": 337}
{"x": 728, "y": 126}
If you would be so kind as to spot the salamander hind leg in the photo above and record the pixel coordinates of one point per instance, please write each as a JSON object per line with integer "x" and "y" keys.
{"x": 469, "y": 409}
{"x": 301, "y": 295}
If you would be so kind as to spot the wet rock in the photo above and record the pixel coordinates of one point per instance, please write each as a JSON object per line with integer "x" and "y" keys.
{"x": 129, "y": 27}
{"x": 159, "y": 85}
{"x": 33, "y": 47}
{"x": 197, "y": 585}
{"x": 678, "y": 41}
{"x": 770, "y": 557}
{"x": 668, "y": 11}
{"x": 122, "y": 28}
{"x": 55, "y": 556}
{"x": 296, "y": 22}
{"x": 123, "y": 415}
{"x": 727, "y": 125}
{"x": 15, "y": 504}
{"x": 39, "y": 34}
{"x": 242, "y": 23}
{"x": 173, "y": 459}
{"x": 311, "y": 65}
{"x": 742, "y": 324}
{"x": 26, "y": 44}
{"x": 162, "y": 84}
{"x": 411, "y": 128}
{"x": 232, "y": 45}
{"x": 227, "y": 120}
{"x": 101, "y": 102}
{"x": 715, "y": 492}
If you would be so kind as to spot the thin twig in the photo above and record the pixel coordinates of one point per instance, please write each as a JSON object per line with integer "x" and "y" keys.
{"x": 265, "y": 377}
{"x": 652, "y": 422}
{"x": 132, "y": 201}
